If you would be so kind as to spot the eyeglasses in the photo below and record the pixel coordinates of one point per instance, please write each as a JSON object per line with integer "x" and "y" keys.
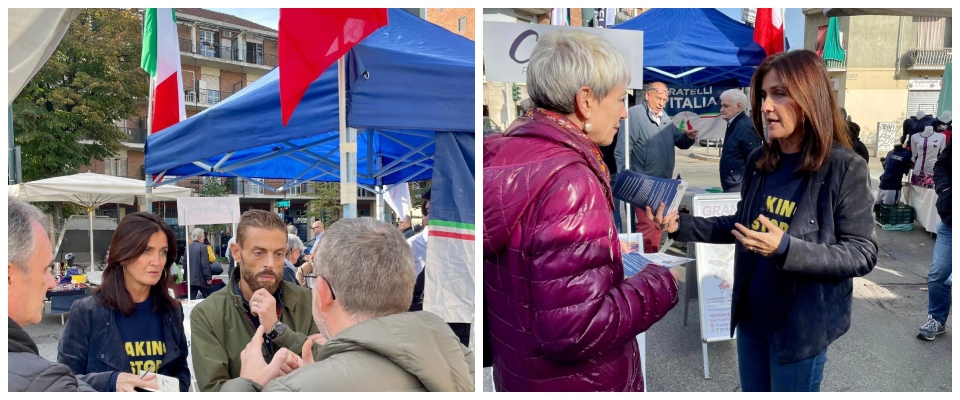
{"x": 310, "y": 280}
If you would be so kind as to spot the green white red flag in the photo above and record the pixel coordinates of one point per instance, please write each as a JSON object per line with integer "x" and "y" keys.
{"x": 768, "y": 30}
{"x": 161, "y": 59}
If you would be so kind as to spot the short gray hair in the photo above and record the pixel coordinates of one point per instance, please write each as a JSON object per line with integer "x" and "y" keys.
{"x": 563, "y": 61}
{"x": 197, "y": 232}
{"x": 294, "y": 243}
{"x": 737, "y": 96}
{"x": 20, "y": 239}
{"x": 369, "y": 266}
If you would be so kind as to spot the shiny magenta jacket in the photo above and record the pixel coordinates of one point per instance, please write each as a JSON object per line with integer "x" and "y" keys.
{"x": 561, "y": 315}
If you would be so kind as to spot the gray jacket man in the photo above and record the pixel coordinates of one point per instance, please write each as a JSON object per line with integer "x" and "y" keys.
{"x": 28, "y": 278}
{"x": 652, "y": 136}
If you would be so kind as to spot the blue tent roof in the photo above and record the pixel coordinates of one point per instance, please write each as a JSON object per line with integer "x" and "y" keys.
{"x": 679, "y": 40}
{"x": 405, "y": 81}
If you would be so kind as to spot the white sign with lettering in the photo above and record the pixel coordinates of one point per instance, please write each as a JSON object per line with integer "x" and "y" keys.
{"x": 507, "y": 48}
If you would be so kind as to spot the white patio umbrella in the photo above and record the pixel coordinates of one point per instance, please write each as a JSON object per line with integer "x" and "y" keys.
{"x": 92, "y": 190}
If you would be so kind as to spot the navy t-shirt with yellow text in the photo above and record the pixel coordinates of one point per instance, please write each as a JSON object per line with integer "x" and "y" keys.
{"x": 777, "y": 200}
{"x": 142, "y": 334}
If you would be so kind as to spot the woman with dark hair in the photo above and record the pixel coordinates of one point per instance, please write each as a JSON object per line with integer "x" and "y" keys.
{"x": 562, "y": 315}
{"x": 803, "y": 229}
{"x": 130, "y": 325}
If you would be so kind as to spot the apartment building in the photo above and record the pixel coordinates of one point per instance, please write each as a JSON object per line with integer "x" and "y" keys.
{"x": 891, "y": 67}
{"x": 500, "y": 99}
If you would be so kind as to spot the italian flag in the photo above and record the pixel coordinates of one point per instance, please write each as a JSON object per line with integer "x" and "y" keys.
{"x": 161, "y": 59}
{"x": 768, "y": 30}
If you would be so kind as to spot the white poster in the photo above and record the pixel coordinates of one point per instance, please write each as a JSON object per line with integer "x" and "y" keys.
{"x": 715, "y": 269}
{"x": 208, "y": 210}
{"x": 507, "y": 48}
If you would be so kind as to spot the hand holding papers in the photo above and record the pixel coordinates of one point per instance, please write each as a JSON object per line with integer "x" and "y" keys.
{"x": 646, "y": 191}
{"x": 633, "y": 263}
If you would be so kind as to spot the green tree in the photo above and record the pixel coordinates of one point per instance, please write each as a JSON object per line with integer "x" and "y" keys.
{"x": 90, "y": 81}
{"x": 327, "y": 205}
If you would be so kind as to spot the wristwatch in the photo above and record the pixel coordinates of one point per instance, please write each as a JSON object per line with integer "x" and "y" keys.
{"x": 276, "y": 331}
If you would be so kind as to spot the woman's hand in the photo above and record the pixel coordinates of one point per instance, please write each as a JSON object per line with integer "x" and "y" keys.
{"x": 763, "y": 243}
{"x": 668, "y": 223}
{"x": 127, "y": 382}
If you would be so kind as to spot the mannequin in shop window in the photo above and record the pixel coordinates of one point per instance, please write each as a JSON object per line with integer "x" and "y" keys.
{"x": 926, "y": 147}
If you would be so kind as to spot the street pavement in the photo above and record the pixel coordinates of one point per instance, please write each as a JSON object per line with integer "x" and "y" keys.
{"x": 880, "y": 352}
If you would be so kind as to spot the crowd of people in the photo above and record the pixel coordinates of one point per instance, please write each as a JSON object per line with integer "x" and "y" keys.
{"x": 351, "y": 331}
{"x": 560, "y": 314}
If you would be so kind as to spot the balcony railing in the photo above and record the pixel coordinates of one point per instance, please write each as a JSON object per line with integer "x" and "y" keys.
{"x": 228, "y": 53}
{"x": 834, "y": 65}
{"x": 135, "y": 135}
{"x": 928, "y": 58}
{"x": 205, "y": 97}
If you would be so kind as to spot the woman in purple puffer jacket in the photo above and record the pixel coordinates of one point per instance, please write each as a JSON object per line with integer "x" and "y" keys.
{"x": 561, "y": 315}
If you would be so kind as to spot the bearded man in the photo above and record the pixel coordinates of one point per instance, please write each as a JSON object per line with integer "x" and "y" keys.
{"x": 256, "y": 297}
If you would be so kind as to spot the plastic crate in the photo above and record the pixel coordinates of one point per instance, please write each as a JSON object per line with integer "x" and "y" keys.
{"x": 895, "y": 215}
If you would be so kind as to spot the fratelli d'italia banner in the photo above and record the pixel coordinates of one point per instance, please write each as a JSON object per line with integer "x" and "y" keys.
{"x": 698, "y": 108}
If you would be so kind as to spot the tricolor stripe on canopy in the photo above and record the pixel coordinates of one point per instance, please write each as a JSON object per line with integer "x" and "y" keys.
{"x": 161, "y": 59}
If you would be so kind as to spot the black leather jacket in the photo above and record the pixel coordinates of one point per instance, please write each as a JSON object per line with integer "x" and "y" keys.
{"x": 832, "y": 240}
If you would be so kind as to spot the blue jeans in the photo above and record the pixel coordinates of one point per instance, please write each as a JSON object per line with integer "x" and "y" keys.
{"x": 940, "y": 269}
{"x": 760, "y": 371}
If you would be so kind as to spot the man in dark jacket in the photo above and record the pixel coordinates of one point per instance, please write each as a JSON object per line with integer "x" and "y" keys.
{"x": 854, "y": 130}
{"x": 895, "y": 166}
{"x": 201, "y": 277}
{"x": 652, "y": 138}
{"x": 29, "y": 257}
{"x": 941, "y": 269}
{"x": 738, "y": 142}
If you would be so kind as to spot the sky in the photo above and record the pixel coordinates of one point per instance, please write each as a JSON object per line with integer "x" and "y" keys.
{"x": 270, "y": 16}
{"x": 794, "y": 24}
{"x": 264, "y": 16}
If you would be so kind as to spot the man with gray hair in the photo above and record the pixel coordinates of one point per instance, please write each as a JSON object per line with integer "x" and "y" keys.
{"x": 29, "y": 257}
{"x": 652, "y": 138}
{"x": 201, "y": 276}
{"x": 364, "y": 279}
{"x": 406, "y": 228}
{"x": 739, "y": 141}
{"x": 294, "y": 249}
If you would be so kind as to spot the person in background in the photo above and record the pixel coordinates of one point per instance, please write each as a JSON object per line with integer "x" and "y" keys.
{"x": 294, "y": 249}
{"x": 562, "y": 315}
{"x": 803, "y": 229}
{"x": 201, "y": 277}
{"x": 652, "y": 139}
{"x": 739, "y": 141}
{"x": 854, "y": 130}
{"x": 317, "y": 235}
{"x": 405, "y": 227}
{"x": 896, "y": 165}
{"x": 215, "y": 267}
{"x": 365, "y": 274}
{"x": 941, "y": 269}
{"x": 130, "y": 326}
{"x": 29, "y": 259}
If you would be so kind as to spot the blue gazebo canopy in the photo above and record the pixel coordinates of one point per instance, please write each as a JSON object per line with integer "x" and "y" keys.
{"x": 405, "y": 82}
{"x": 695, "y": 46}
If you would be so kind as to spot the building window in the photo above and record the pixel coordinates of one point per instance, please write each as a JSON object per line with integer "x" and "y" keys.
{"x": 115, "y": 167}
{"x": 253, "y": 188}
{"x": 255, "y": 53}
{"x": 207, "y": 41}
{"x": 294, "y": 190}
{"x": 462, "y": 24}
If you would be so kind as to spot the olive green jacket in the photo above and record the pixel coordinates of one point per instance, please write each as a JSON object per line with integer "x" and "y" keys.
{"x": 219, "y": 331}
{"x": 406, "y": 352}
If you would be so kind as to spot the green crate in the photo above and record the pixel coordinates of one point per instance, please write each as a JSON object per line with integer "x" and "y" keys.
{"x": 895, "y": 215}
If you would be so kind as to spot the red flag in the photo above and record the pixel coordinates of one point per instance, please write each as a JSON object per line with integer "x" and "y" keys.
{"x": 312, "y": 39}
{"x": 768, "y": 30}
